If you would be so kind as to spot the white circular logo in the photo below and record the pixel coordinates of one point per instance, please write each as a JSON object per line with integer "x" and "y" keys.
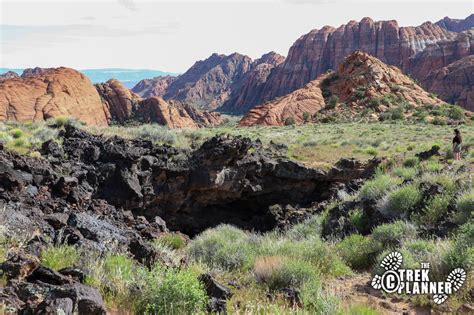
{"x": 390, "y": 281}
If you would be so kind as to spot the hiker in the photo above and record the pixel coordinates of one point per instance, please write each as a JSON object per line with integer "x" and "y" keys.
{"x": 457, "y": 140}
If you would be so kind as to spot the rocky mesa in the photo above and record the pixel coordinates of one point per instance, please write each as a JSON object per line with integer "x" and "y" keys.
{"x": 362, "y": 84}
{"x": 324, "y": 49}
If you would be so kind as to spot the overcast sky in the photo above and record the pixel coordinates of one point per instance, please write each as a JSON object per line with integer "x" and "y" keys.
{"x": 172, "y": 35}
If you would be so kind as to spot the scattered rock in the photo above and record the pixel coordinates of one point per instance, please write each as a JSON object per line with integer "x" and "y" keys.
{"x": 52, "y": 148}
{"x": 33, "y": 288}
{"x": 425, "y": 155}
{"x": 217, "y": 293}
{"x": 75, "y": 273}
{"x": 19, "y": 266}
{"x": 292, "y": 296}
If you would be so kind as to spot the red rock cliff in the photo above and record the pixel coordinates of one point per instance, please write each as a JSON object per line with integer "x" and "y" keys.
{"x": 207, "y": 84}
{"x": 324, "y": 49}
{"x": 47, "y": 93}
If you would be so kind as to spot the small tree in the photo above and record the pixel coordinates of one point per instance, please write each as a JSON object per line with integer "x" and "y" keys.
{"x": 306, "y": 117}
{"x": 290, "y": 121}
{"x": 332, "y": 102}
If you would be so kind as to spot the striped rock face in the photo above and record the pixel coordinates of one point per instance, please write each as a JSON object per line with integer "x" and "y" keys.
{"x": 51, "y": 93}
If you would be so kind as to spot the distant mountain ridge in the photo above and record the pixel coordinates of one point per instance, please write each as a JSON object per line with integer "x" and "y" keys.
{"x": 235, "y": 83}
{"x": 43, "y": 93}
{"x": 129, "y": 77}
{"x": 218, "y": 81}
{"x": 457, "y": 25}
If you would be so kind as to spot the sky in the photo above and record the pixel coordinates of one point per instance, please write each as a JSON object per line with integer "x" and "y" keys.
{"x": 172, "y": 35}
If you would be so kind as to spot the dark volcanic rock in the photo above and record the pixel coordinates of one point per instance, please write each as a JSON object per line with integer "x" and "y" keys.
{"x": 224, "y": 181}
{"x": 425, "y": 155}
{"x": 217, "y": 293}
{"x": 33, "y": 289}
{"x": 108, "y": 194}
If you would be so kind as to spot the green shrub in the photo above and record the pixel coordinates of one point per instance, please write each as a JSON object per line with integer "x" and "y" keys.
{"x": 455, "y": 112}
{"x": 435, "y": 209}
{"x": 359, "y": 93}
{"x": 436, "y": 253}
{"x": 414, "y": 252}
{"x": 462, "y": 253}
{"x": 421, "y": 114}
{"x": 43, "y": 134}
{"x": 155, "y": 133}
{"x": 374, "y": 103}
{"x": 223, "y": 247}
{"x": 289, "y": 121}
{"x": 445, "y": 180}
{"x": 405, "y": 173}
{"x": 358, "y": 251}
{"x": 280, "y": 272}
{"x": 119, "y": 266}
{"x": 116, "y": 278}
{"x": 61, "y": 121}
{"x": 21, "y": 143}
{"x": 58, "y": 257}
{"x": 316, "y": 300}
{"x": 378, "y": 186}
{"x": 449, "y": 154}
{"x": 397, "y": 114}
{"x": 360, "y": 309}
{"x": 411, "y": 162}
{"x": 306, "y": 116}
{"x": 384, "y": 116}
{"x": 16, "y": 133}
{"x": 388, "y": 99}
{"x": 372, "y": 151}
{"x": 332, "y": 102}
{"x": 172, "y": 292}
{"x": 172, "y": 240}
{"x": 400, "y": 202}
{"x": 308, "y": 229}
{"x": 431, "y": 166}
{"x": 439, "y": 121}
{"x": 394, "y": 234}
{"x": 464, "y": 207}
{"x": 314, "y": 251}
{"x": 359, "y": 219}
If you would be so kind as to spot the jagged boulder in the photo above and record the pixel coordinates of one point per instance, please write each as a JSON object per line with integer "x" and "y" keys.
{"x": 32, "y": 288}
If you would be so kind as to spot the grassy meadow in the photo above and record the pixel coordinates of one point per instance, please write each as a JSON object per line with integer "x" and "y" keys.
{"x": 319, "y": 145}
